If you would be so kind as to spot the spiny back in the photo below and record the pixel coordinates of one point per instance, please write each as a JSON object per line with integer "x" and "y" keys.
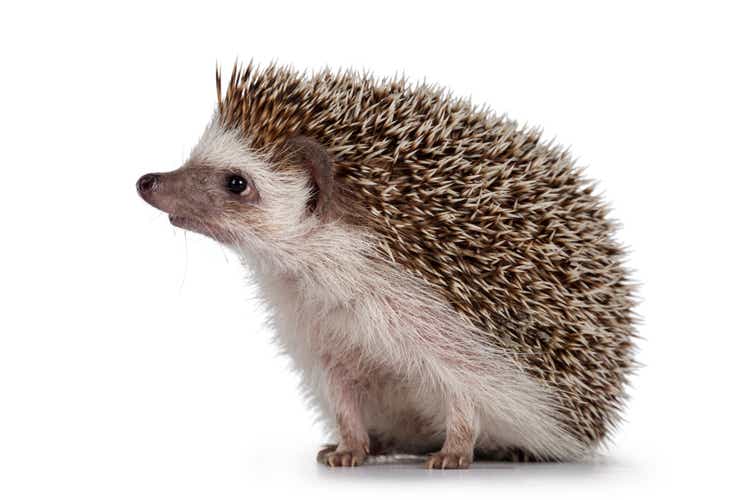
{"x": 502, "y": 224}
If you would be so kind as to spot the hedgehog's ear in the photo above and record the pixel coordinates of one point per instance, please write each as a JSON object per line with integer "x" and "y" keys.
{"x": 315, "y": 159}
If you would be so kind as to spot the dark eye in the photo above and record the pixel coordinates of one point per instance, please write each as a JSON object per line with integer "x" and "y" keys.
{"x": 236, "y": 184}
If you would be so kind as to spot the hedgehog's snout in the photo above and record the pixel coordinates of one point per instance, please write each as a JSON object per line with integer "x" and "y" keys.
{"x": 147, "y": 183}
{"x": 154, "y": 189}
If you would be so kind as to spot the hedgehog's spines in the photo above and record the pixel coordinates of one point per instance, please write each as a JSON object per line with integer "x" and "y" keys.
{"x": 499, "y": 220}
{"x": 218, "y": 90}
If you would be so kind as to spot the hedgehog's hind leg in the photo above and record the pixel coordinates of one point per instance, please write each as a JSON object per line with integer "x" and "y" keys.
{"x": 460, "y": 436}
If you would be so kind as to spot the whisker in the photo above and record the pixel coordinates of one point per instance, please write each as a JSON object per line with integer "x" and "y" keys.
{"x": 185, "y": 266}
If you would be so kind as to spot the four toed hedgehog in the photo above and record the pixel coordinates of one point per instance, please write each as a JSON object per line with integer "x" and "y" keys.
{"x": 445, "y": 282}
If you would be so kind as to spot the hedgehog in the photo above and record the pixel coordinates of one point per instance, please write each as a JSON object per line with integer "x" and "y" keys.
{"x": 447, "y": 284}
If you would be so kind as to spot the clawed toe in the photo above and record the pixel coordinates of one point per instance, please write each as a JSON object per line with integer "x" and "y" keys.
{"x": 443, "y": 460}
{"x": 333, "y": 457}
{"x": 324, "y": 452}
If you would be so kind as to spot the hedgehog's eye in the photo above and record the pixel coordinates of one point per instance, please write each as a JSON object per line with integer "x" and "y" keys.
{"x": 236, "y": 184}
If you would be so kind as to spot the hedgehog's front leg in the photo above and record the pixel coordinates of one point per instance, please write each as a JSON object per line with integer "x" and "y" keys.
{"x": 460, "y": 435}
{"x": 345, "y": 394}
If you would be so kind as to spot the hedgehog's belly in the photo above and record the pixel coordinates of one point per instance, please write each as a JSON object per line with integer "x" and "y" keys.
{"x": 400, "y": 420}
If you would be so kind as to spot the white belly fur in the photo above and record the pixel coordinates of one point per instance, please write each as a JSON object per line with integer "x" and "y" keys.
{"x": 410, "y": 348}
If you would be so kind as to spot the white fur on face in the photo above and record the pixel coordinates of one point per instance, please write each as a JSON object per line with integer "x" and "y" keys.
{"x": 280, "y": 212}
{"x": 334, "y": 299}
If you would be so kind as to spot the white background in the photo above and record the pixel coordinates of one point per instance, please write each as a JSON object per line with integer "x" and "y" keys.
{"x": 133, "y": 360}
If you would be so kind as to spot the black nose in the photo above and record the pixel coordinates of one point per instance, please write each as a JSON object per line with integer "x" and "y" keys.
{"x": 147, "y": 182}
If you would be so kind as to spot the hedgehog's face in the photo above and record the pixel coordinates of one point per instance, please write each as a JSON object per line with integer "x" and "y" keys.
{"x": 238, "y": 197}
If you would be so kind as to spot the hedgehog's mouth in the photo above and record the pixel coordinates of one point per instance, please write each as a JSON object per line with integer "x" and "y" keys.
{"x": 183, "y": 222}
{"x": 199, "y": 226}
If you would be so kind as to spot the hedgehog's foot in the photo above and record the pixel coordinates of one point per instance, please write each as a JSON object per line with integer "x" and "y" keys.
{"x": 332, "y": 456}
{"x": 460, "y": 434}
{"x": 447, "y": 460}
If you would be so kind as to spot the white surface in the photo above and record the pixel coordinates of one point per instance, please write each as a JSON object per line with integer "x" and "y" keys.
{"x": 133, "y": 361}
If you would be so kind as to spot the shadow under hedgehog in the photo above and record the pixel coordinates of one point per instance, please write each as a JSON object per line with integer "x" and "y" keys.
{"x": 446, "y": 284}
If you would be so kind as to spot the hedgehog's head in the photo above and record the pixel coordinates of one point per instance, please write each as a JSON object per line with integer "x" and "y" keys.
{"x": 244, "y": 198}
